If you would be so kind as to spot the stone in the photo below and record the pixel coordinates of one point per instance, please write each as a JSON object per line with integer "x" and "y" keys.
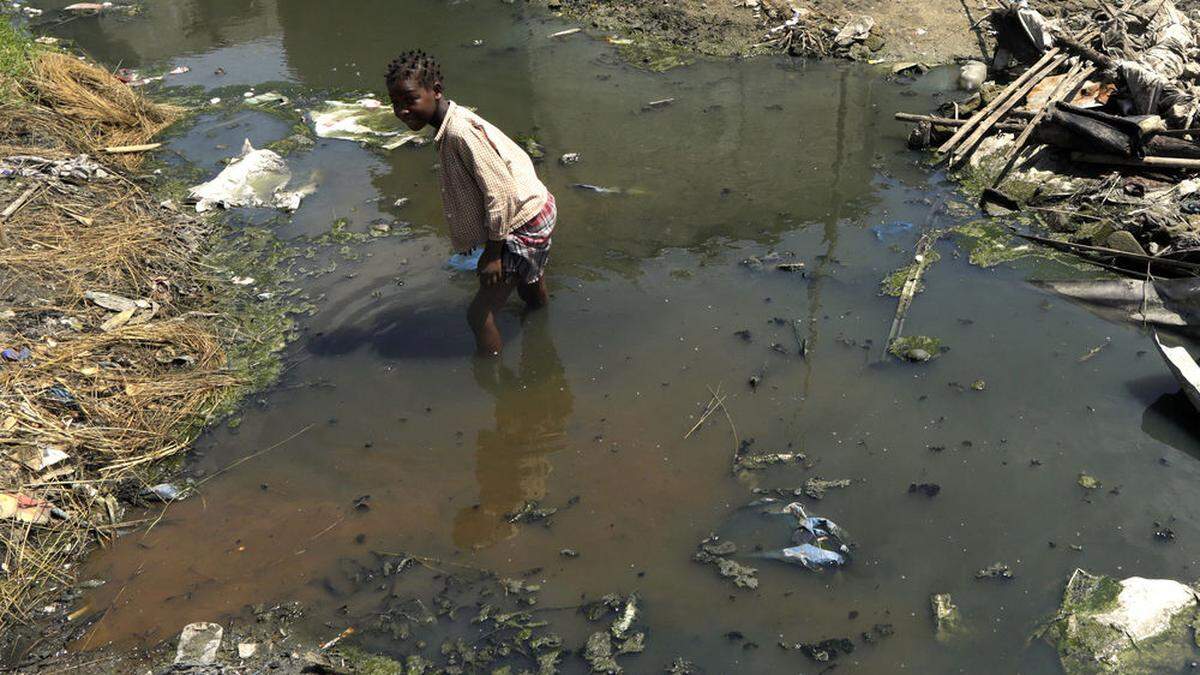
{"x": 1134, "y": 625}
{"x": 946, "y": 619}
{"x": 247, "y": 649}
{"x": 198, "y": 644}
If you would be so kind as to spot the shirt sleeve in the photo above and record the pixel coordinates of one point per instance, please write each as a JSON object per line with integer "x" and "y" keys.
{"x": 492, "y": 174}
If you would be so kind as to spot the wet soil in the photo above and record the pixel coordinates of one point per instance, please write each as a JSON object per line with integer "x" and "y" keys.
{"x": 933, "y": 32}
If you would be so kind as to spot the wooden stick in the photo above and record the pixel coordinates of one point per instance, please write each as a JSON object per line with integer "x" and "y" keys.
{"x": 1146, "y": 162}
{"x": 951, "y": 122}
{"x": 909, "y": 290}
{"x": 1075, "y": 77}
{"x": 18, "y": 203}
{"x": 713, "y": 404}
{"x": 1071, "y": 247}
{"x": 968, "y": 144}
{"x": 982, "y": 114}
{"x": 121, "y": 149}
{"x": 12, "y": 208}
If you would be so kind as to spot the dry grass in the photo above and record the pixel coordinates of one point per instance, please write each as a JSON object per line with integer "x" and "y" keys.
{"x": 85, "y": 108}
{"x": 117, "y": 400}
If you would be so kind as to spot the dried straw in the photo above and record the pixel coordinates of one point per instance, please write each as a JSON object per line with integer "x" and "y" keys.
{"x": 117, "y": 400}
{"x": 89, "y": 108}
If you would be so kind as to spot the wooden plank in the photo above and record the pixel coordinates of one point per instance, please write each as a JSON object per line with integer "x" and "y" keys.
{"x": 909, "y": 290}
{"x": 951, "y": 122}
{"x": 122, "y": 149}
{"x": 1145, "y": 162}
{"x": 998, "y": 101}
{"x": 1075, "y": 77}
{"x": 963, "y": 149}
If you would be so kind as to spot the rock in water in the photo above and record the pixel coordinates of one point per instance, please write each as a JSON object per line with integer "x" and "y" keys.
{"x": 599, "y": 654}
{"x": 198, "y": 644}
{"x": 1134, "y": 625}
{"x": 946, "y": 618}
{"x": 972, "y": 75}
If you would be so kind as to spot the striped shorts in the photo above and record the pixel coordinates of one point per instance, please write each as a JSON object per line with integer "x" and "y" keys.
{"x": 527, "y": 248}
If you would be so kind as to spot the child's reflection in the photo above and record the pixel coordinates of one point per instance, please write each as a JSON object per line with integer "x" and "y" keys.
{"x": 512, "y": 461}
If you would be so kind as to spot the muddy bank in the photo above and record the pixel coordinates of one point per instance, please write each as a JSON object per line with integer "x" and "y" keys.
{"x": 658, "y": 35}
{"x": 123, "y": 334}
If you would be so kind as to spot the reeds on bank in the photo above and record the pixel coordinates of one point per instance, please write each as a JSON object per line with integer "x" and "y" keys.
{"x": 102, "y": 393}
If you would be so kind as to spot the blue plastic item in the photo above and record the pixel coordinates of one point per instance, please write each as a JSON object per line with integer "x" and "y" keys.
{"x": 465, "y": 262}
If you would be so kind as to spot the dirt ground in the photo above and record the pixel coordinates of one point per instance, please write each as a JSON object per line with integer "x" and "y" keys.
{"x": 935, "y": 31}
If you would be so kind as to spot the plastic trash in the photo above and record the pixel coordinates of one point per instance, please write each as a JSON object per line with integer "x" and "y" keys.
{"x": 465, "y": 262}
{"x": 820, "y": 542}
{"x": 24, "y": 509}
{"x": 885, "y": 230}
{"x": 972, "y": 75}
{"x": 269, "y": 98}
{"x": 11, "y": 354}
{"x": 167, "y": 492}
{"x": 60, "y": 395}
{"x": 255, "y": 178}
{"x": 198, "y": 644}
{"x": 366, "y": 121}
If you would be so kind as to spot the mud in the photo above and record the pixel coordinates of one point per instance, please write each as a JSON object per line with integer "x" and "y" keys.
{"x": 662, "y": 35}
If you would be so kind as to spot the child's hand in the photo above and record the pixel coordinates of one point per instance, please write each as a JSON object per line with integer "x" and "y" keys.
{"x": 490, "y": 268}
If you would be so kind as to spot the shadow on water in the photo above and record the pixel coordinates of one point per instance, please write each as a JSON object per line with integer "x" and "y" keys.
{"x": 436, "y": 331}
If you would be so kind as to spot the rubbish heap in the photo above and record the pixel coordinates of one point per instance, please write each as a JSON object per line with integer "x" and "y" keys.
{"x": 1093, "y": 140}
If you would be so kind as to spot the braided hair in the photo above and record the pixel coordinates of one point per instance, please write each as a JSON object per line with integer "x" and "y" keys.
{"x": 414, "y": 64}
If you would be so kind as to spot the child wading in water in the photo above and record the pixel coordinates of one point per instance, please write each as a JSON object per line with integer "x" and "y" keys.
{"x": 490, "y": 193}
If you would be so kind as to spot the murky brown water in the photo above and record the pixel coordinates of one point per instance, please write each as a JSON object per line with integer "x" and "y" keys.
{"x": 593, "y": 396}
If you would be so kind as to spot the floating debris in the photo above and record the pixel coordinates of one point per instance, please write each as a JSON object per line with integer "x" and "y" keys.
{"x": 815, "y": 487}
{"x": 946, "y": 619}
{"x": 531, "y": 512}
{"x": 927, "y": 489}
{"x": 366, "y": 121}
{"x": 711, "y": 551}
{"x": 996, "y": 570}
{"x": 760, "y": 461}
{"x": 256, "y": 178}
{"x": 820, "y": 542}
{"x": 1088, "y": 482}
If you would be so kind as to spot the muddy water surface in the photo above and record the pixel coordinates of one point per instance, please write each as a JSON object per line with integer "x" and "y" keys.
{"x": 587, "y": 409}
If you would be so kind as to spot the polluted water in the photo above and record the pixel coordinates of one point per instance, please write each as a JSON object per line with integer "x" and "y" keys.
{"x": 575, "y": 476}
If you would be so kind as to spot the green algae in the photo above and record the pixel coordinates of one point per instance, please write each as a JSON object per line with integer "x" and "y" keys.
{"x": 654, "y": 55}
{"x": 1088, "y": 645}
{"x": 910, "y": 347}
{"x": 893, "y": 284}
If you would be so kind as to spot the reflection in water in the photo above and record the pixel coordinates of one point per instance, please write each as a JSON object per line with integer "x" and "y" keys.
{"x": 512, "y": 460}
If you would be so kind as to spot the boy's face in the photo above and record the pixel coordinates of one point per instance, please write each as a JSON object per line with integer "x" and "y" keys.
{"x": 415, "y": 104}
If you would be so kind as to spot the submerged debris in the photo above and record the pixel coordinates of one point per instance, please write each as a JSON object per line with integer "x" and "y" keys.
{"x": 916, "y": 348}
{"x": 815, "y": 486}
{"x": 760, "y": 461}
{"x": 996, "y": 570}
{"x": 531, "y": 512}
{"x": 946, "y": 618}
{"x": 711, "y": 551}
{"x": 599, "y": 654}
{"x": 927, "y": 489}
{"x": 820, "y": 542}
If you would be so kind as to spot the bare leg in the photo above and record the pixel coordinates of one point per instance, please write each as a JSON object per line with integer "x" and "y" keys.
{"x": 534, "y": 294}
{"x": 481, "y": 315}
